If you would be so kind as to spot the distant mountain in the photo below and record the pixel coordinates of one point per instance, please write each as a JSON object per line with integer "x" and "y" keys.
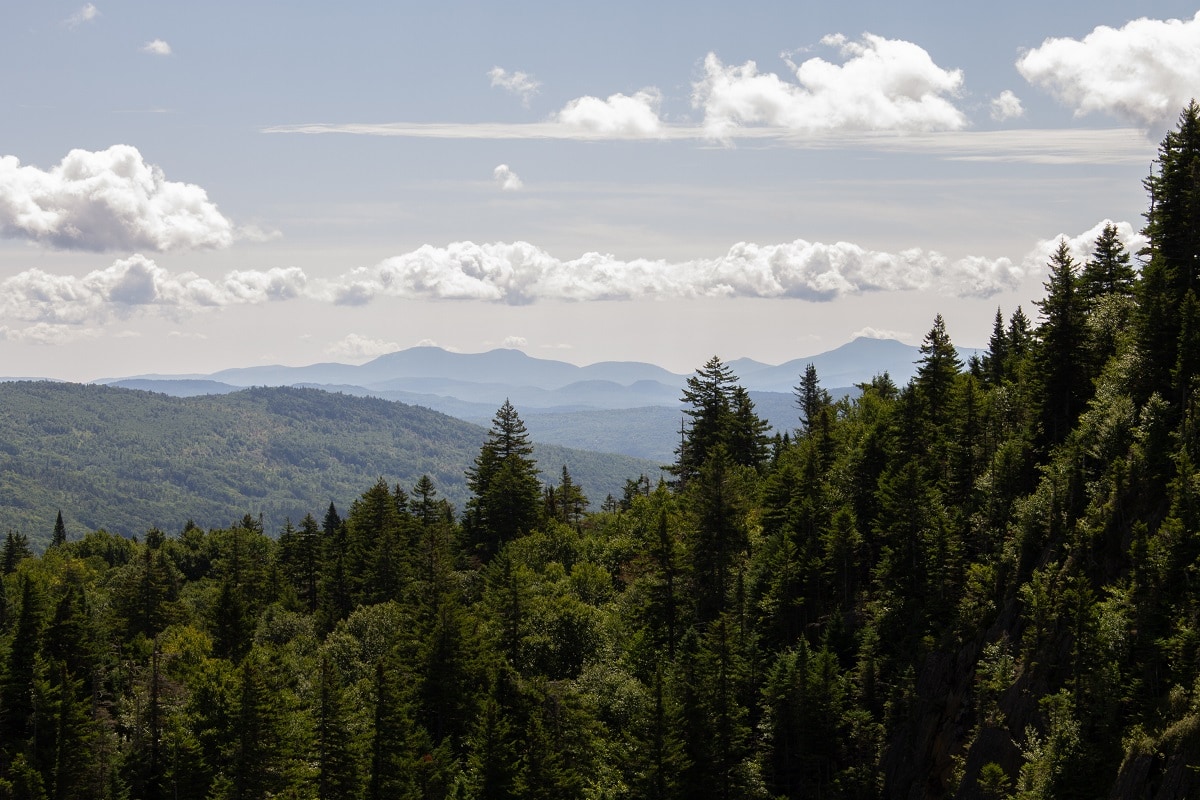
{"x": 471, "y": 386}
{"x": 126, "y": 460}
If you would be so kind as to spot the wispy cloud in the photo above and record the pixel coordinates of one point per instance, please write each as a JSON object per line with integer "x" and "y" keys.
{"x": 1006, "y": 106}
{"x": 157, "y": 47}
{"x": 107, "y": 200}
{"x": 519, "y": 83}
{"x": 1144, "y": 72}
{"x": 882, "y": 85}
{"x": 506, "y": 179}
{"x": 86, "y": 14}
{"x": 356, "y": 347}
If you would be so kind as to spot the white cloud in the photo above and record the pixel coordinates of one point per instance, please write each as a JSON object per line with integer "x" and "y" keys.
{"x": 1144, "y": 72}
{"x": 508, "y": 180}
{"x": 86, "y": 14}
{"x": 107, "y": 200}
{"x": 618, "y": 117}
{"x": 877, "y": 333}
{"x": 519, "y": 83}
{"x": 883, "y": 85}
{"x": 1006, "y": 106}
{"x": 354, "y": 346}
{"x": 157, "y": 47}
{"x": 1081, "y": 245}
{"x": 520, "y": 273}
{"x": 43, "y": 333}
{"x": 1034, "y": 146}
{"x": 58, "y": 307}
{"x": 515, "y": 342}
{"x": 137, "y": 283}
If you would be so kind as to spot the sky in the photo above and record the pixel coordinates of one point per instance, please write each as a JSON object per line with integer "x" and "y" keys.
{"x": 190, "y": 187}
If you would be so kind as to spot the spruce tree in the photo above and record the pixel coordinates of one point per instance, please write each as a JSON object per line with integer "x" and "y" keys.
{"x": 1062, "y": 353}
{"x": 810, "y": 398}
{"x": 59, "y": 537}
{"x": 504, "y": 486}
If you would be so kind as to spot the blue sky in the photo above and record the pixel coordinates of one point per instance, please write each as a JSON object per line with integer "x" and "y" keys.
{"x": 190, "y": 187}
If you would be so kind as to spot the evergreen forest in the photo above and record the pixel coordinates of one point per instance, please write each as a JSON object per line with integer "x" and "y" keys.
{"x": 982, "y": 584}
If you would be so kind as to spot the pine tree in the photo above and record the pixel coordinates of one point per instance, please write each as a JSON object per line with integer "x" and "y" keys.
{"x": 1062, "y": 357}
{"x": 59, "y": 537}
{"x": 936, "y": 371}
{"x": 997, "y": 356}
{"x": 810, "y": 398}
{"x": 708, "y": 393}
{"x": 16, "y": 549}
{"x": 1173, "y": 264}
{"x": 504, "y": 486}
{"x": 1108, "y": 272}
{"x": 746, "y": 435}
{"x": 338, "y": 761}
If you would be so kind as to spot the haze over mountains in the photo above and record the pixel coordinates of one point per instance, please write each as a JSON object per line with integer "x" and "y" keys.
{"x": 561, "y": 403}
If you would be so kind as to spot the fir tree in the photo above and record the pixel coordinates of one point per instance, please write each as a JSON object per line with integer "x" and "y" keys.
{"x": 503, "y": 484}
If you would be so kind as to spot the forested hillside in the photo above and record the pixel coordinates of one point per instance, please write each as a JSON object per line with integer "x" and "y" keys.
{"x": 127, "y": 461}
{"x": 980, "y": 584}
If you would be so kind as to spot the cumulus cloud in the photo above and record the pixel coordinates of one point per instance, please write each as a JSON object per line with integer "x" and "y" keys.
{"x": 86, "y": 14}
{"x": 519, "y": 273}
{"x": 1081, "y": 245}
{"x": 618, "y": 117}
{"x": 878, "y": 333}
{"x": 157, "y": 47}
{"x": 506, "y": 178}
{"x": 514, "y": 342}
{"x": 519, "y": 83}
{"x": 1144, "y": 72}
{"x": 354, "y": 346}
{"x": 137, "y": 283}
{"x": 882, "y": 85}
{"x": 107, "y": 200}
{"x": 1006, "y": 106}
{"x": 58, "y": 307}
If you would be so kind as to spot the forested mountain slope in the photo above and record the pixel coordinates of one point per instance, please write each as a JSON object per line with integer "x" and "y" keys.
{"x": 129, "y": 460}
{"x": 980, "y": 584}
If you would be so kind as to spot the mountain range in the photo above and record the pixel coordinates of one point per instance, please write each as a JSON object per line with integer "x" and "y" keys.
{"x": 561, "y": 403}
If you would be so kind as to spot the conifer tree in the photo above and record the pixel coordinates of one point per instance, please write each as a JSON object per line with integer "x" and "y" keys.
{"x": 1173, "y": 264}
{"x": 1062, "y": 357}
{"x": 810, "y": 398}
{"x": 338, "y": 767}
{"x": 936, "y": 370}
{"x": 708, "y": 395}
{"x": 1108, "y": 272}
{"x": 504, "y": 486}
{"x": 59, "y": 537}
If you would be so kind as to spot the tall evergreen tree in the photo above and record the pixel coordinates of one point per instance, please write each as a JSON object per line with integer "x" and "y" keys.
{"x": 59, "y": 537}
{"x": 504, "y": 486}
{"x": 810, "y": 398}
{"x": 708, "y": 395}
{"x": 1062, "y": 354}
{"x": 936, "y": 371}
{"x": 1173, "y": 264}
{"x": 1108, "y": 271}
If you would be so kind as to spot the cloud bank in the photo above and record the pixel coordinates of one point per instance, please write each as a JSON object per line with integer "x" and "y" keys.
{"x": 107, "y": 200}
{"x": 520, "y": 273}
{"x": 1144, "y": 72}
{"x": 56, "y": 307}
{"x": 137, "y": 283}
{"x": 882, "y": 85}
